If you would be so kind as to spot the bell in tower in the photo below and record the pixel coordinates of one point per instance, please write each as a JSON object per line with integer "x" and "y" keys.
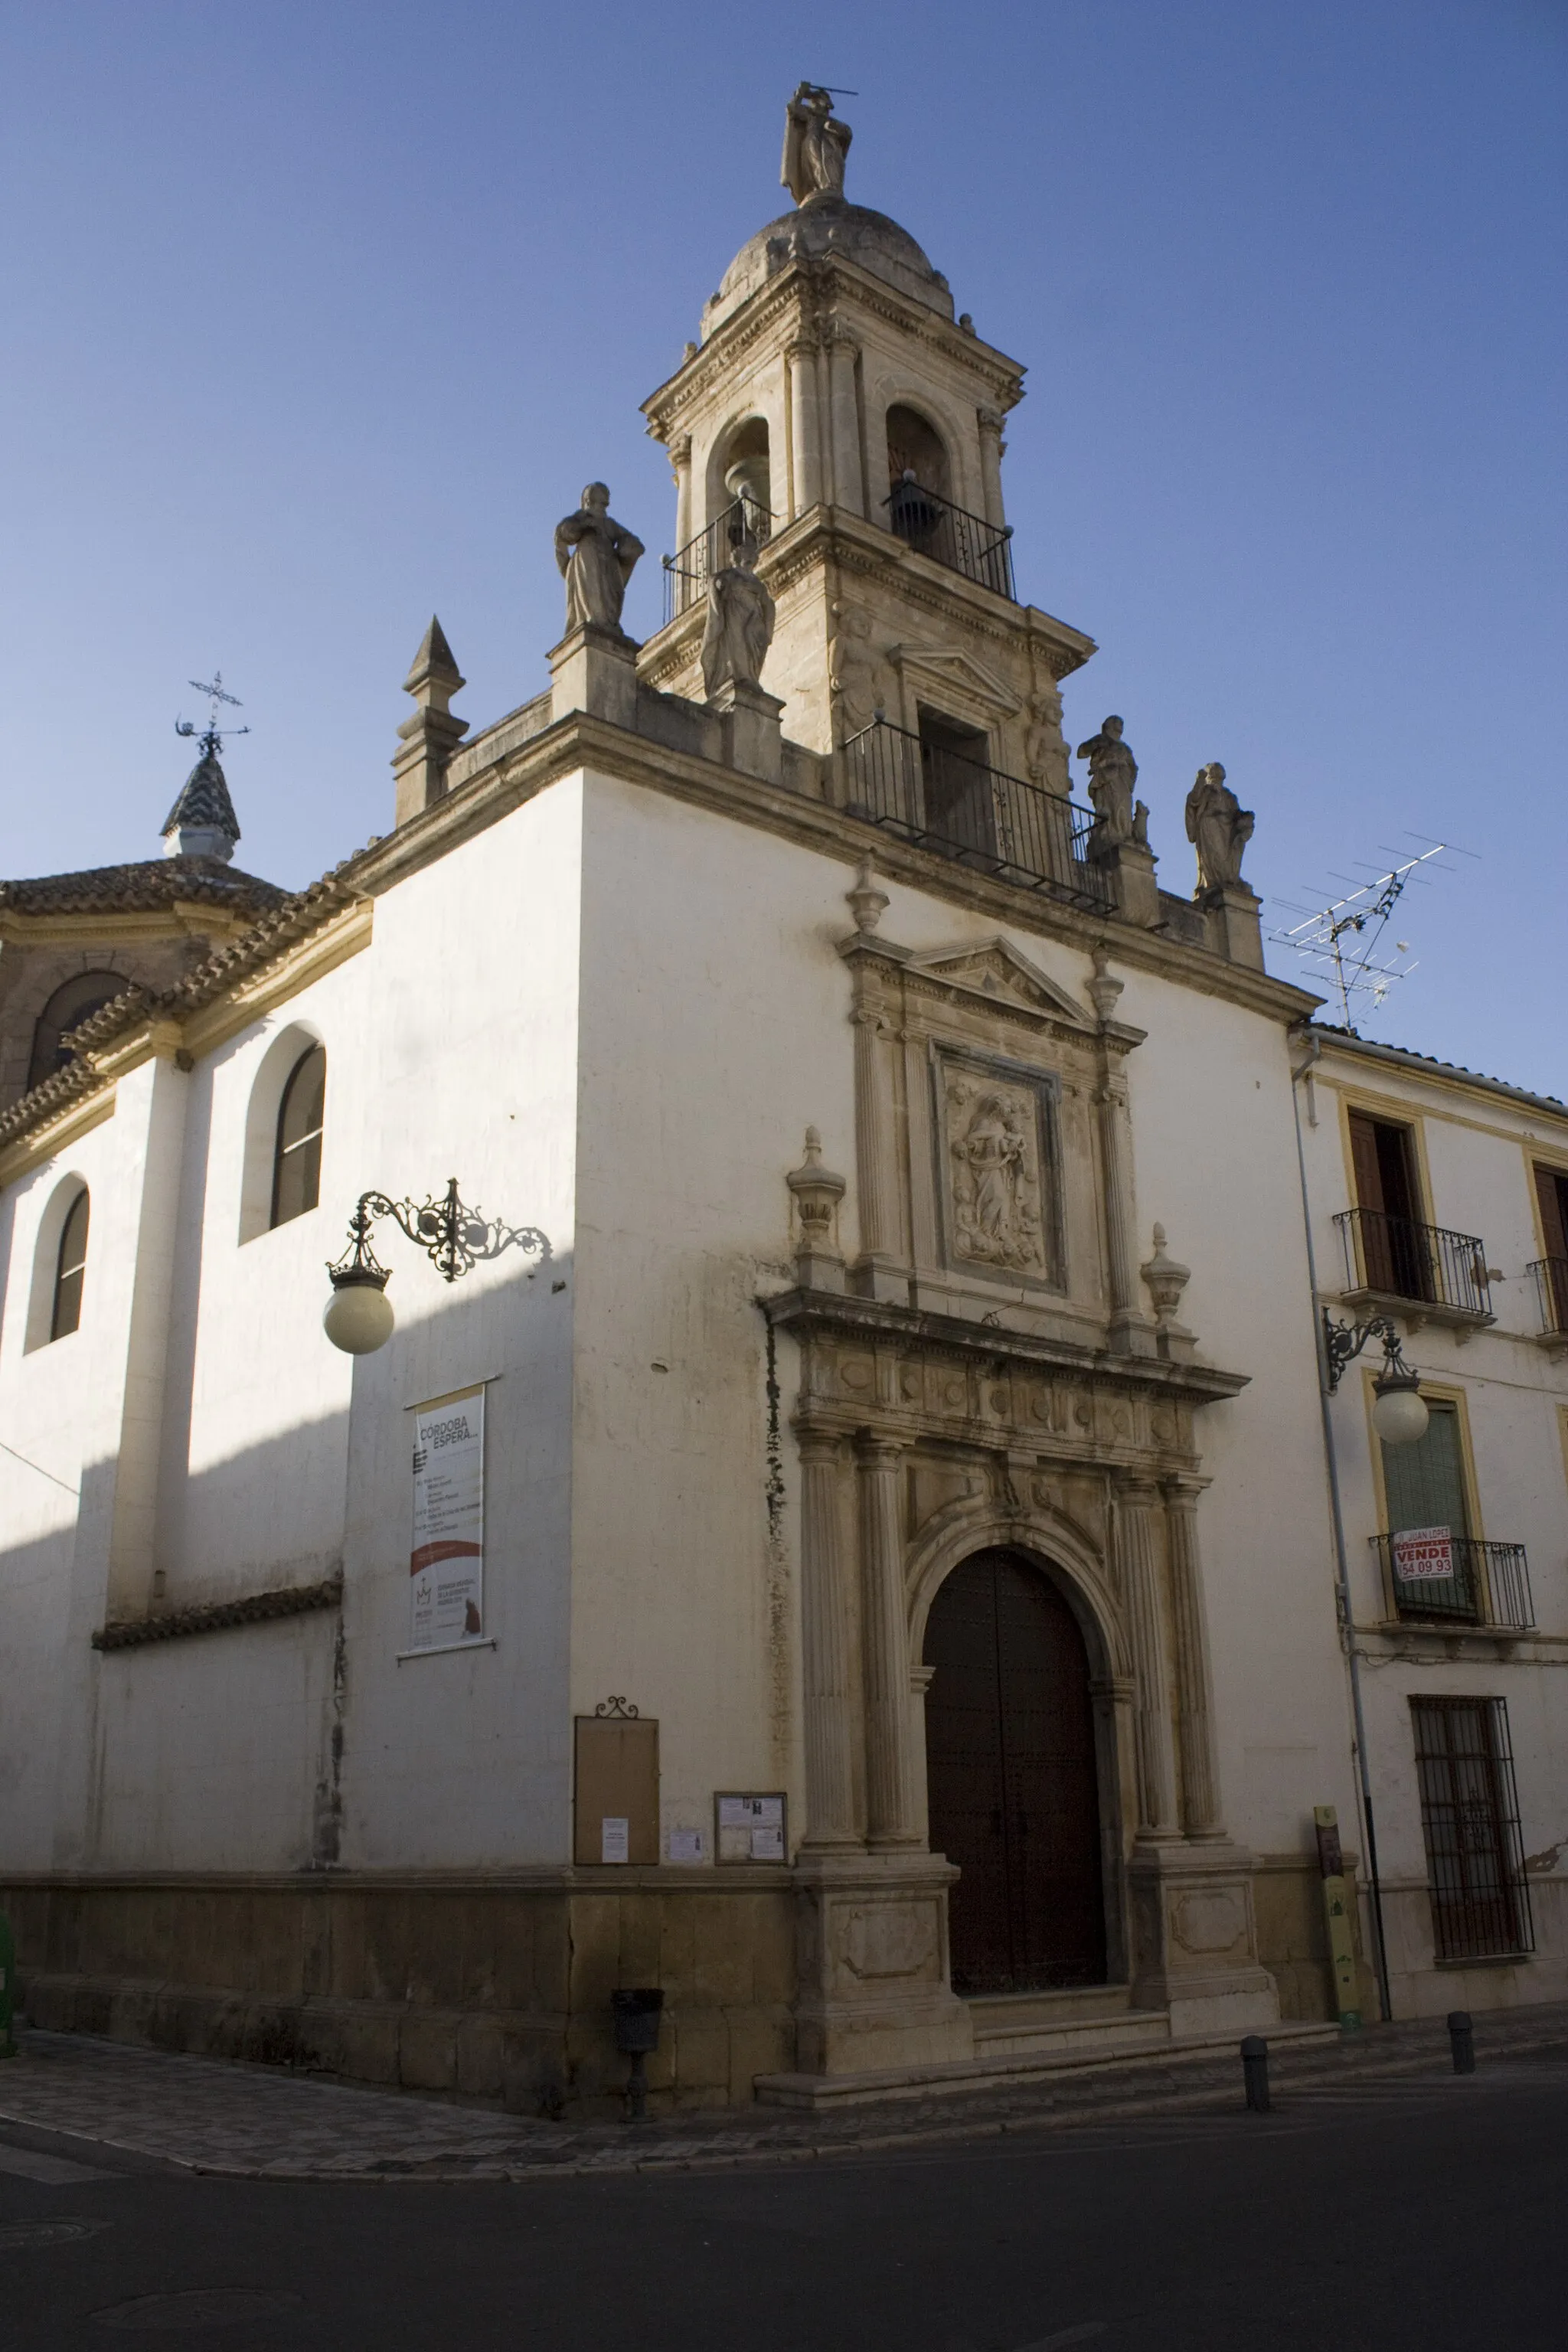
{"x": 837, "y": 419}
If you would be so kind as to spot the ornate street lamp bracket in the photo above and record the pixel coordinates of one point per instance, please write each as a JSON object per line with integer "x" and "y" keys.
{"x": 453, "y": 1237}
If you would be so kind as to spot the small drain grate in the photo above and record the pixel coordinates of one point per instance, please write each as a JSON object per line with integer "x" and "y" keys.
{"x": 206, "y": 2306}
{"x": 46, "y": 2233}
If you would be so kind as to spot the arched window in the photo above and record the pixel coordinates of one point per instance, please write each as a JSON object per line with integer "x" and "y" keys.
{"x": 748, "y": 483}
{"x": 75, "y": 1000}
{"x": 70, "y": 1268}
{"x": 296, "y": 1159}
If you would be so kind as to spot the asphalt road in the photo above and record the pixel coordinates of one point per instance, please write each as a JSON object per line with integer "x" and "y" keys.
{"x": 1423, "y": 2215}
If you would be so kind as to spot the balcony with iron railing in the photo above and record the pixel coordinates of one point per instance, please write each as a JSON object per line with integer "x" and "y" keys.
{"x": 688, "y": 571}
{"x": 1485, "y": 1584}
{"x": 1425, "y": 1272}
{"x": 1551, "y": 1275}
{"x": 962, "y": 543}
{"x": 974, "y": 815}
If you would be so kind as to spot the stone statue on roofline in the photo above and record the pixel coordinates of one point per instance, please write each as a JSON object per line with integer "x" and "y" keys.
{"x": 1112, "y": 772}
{"x": 1219, "y": 829}
{"x": 595, "y": 556}
{"x": 1045, "y": 753}
{"x": 740, "y": 625}
{"x": 816, "y": 145}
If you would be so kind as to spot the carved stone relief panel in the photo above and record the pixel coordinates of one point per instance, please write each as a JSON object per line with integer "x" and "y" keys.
{"x": 998, "y": 1176}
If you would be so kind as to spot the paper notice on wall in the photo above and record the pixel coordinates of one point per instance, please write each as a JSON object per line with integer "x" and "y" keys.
{"x": 1422, "y": 1552}
{"x": 685, "y": 1845}
{"x": 751, "y": 1829}
{"x": 446, "y": 1565}
{"x": 614, "y": 1838}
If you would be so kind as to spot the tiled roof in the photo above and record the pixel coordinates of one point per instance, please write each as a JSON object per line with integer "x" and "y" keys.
{"x": 1379, "y": 1052}
{"x": 145, "y": 888}
{"x": 204, "y": 800}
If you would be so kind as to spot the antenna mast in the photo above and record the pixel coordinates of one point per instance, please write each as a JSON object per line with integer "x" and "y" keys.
{"x": 1336, "y": 937}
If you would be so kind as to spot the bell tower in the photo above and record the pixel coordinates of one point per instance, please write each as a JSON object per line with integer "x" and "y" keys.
{"x": 837, "y": 413}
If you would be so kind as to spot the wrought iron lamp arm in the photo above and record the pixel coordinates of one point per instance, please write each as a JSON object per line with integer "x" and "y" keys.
{"x": 1342, "y": 1343}
{"x": 454, "y": 1238}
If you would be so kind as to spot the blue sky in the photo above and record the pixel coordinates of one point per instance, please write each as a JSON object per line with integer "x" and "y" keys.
{"x": 317, "y": 318}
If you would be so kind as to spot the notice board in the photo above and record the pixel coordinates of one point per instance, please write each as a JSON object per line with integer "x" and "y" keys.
{"x": 616, "y": 1808}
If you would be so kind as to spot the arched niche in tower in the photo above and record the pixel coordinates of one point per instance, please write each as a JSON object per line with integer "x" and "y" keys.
{"x": 739, "y": 475}
{"x": 915, "y": 446}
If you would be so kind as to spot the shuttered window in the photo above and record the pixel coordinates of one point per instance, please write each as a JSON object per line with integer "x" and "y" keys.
{"x": 1425, "y": 1483}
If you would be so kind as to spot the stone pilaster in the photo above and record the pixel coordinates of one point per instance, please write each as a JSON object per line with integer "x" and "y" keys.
{"x": 832, "y": 1701}
{"x": 1139, "y": 1575}
{"x": 1130, "y": 1332}
{"x": 680, "y": 466}
{"x": 1195, "y": 1692}
{"x": 990, "y": 448}
{"x": 844, "y": 423}
{"x": 881, "y": 1271}
{"x": 885, "y": 1645}
{"x": 806, "y": 445}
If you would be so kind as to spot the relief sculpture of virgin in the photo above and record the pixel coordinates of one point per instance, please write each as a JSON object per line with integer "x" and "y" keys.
{"x": 997, "y": 1177}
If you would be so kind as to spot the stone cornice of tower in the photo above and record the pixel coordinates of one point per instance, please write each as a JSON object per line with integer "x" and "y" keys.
{"x": 805, "y": 295}
{"x": 320, "y": 928}
{"x": 832, "y": 535}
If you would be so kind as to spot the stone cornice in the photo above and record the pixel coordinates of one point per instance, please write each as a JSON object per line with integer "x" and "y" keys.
{"x": 182, "y": 918}
{"x": 808, "y": 289}
{"x": 844, "y": 1315}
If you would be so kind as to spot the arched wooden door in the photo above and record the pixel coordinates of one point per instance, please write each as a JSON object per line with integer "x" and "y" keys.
{"x": 1014, "y": 1789}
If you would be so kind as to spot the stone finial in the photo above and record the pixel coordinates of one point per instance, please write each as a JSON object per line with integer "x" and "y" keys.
{"x": 1104, "y": 993}
{"x": 816, "y": 1190}
{"x": 866, "y": 903}
{"x": 1166, "y": 1280}
{"x": 428, "y": 741}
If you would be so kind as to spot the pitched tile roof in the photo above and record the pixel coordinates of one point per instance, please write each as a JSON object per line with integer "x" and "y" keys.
{"x": 143, "y": 889}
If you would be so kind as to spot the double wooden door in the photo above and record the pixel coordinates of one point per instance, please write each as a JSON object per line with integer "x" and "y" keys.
{"x": 1014, "y": 1789}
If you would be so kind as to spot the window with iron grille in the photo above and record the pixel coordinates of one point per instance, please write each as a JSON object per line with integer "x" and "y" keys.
{"x": 1470, "y": 1819}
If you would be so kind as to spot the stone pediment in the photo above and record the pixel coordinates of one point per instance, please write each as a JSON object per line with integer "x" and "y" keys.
{"x": 953, "y": 666}
{"x": 995, "y": 970}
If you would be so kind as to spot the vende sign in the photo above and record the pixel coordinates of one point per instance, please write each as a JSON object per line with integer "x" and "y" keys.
{"x": 1421, "y": 1552}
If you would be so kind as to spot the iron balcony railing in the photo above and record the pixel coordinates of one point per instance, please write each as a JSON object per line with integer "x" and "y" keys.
{"x": 933, "y": 526}
{"x": 974, "y": 815}
{"x": 688, "y": 571}
{"x": 1489, "y": 1583}
{"x": 1425, "y": 1264}
{"x": 1551, "y": 1293}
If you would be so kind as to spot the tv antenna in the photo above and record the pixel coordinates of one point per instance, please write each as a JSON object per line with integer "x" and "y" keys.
{"x": 1343, "y": 940}
{"x": 211, "y": 736}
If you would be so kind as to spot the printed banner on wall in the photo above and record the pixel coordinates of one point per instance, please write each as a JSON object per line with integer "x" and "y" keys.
{"x": 447, "y": 1561}
{"x": 1423, "y": 1552}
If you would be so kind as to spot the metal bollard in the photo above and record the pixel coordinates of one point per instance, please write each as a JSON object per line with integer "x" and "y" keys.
{"x": 1462, "y": 2040}
{"x": 637, "y": 2014}
{"x": 1255, "y": 2071}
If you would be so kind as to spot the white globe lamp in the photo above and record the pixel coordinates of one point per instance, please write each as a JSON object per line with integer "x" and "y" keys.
{"x": 1399, "y": 1414}
{"x": 359, "y": 1317}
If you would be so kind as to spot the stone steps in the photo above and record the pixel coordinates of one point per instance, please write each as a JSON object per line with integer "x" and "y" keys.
{"x": 1100, "y": 2017}
{"x": 1086, "y": 2047}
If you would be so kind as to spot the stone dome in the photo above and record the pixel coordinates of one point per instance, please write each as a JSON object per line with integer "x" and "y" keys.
{"x": 829, "y": 224}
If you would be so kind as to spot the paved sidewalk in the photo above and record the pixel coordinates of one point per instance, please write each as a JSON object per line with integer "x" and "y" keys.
{"x": 206, "y": 2116}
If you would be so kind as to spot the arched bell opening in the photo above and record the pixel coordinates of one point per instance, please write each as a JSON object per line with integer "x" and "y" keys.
{"x": 741, "y": 493}
{"x": 1021, "y": 1779}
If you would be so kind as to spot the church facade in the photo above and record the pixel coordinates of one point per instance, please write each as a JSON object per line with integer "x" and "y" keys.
{"x": 849, "y": 1542}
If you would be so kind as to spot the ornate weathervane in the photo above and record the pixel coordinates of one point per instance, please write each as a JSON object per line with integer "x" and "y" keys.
{"x": 211, "y": 734}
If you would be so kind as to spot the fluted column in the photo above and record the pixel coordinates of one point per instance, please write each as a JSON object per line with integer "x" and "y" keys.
{"x": 832, "y": 1703}
{"x": 806, "y": 451}
{"x": 873, "y": 1126}
{"x": 1138, "y": 1564}
{"x": 843, "y": 420}
{"x": 1116, "y": 1160}
{"x": 1195, "y": 1690}
{"x": 680, "y": 466}
{"x": 991, "y": 447}
{"x": 885, "y": 1647}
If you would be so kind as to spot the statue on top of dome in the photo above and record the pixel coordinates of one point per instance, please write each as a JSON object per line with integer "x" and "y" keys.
{"x": 816, "y": 145}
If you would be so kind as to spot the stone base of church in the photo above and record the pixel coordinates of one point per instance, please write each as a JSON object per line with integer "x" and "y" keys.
{"x": 872, "y": 1963}
{"x": 490, "y": 1989}
{"x": 1194, "y": 1939}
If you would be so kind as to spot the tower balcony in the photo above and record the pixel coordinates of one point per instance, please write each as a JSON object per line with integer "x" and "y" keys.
{"x": 688, "y": 571}
{"x": 966, "y": 544}
{"x": 960, "y": 809}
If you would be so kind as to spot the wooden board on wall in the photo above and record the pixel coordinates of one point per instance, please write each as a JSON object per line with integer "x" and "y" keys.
{"x": 617, "y": 1780}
